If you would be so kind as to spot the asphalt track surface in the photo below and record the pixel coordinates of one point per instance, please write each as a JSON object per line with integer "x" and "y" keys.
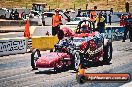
{"x": 15, "y": 70}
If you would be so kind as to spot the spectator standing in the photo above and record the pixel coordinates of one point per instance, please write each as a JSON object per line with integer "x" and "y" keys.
{"x": 100, "y": 23}
{"x": 66, "y": 13}
{"x": 7, "y": 14}
{"x": 56, "y": 22}
{"x": 105, "y": 16}
{"x": 79, "y": 13}
{"x": 109, "y": 19}
{"x": 124, "y": 19}
{"x": 93, "y": 15}
{"x": 43, "y": 20}
{"x": 121, "y": 20}
{"x": 88, "y": 14}
{"x": 127, "y": 6}
{"x": 111, "y": 11}
{"x": 12, "y": 14}
{"x": 128, "y": 28}
{"x": 16, "y": 15}
{"x": 84, "y": 15}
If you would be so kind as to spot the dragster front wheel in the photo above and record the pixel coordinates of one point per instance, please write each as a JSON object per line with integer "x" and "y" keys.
{"x": 58, "y": 66}
{"x": 77, "y": 60}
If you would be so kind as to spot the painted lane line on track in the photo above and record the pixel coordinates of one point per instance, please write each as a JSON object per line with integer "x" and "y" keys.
{"x": 15, "y": 76}
{"x": 18, "y": 80}
{"x": 48, "y": 80}
{"x": 127, "y": 68}
{"x": 53, "y": 77}
{"x": 34, "y": 77}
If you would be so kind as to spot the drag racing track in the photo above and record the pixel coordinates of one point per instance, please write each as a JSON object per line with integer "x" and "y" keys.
{"x": 15, "y": 70}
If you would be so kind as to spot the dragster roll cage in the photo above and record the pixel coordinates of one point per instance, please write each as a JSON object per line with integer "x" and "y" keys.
{"x": 90, "y": 24}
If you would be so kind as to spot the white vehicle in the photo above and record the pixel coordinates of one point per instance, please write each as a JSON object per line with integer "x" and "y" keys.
{"x": 76, "y": 20}
{"x": 72, "y": 11}
{"x": 33, "y": 13}
{"x": 4, "y": 13}
{"x": 35, "y": 16}
{"x": 48, "y": 18}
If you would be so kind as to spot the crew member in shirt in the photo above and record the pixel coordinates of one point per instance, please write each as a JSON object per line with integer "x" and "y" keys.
{"x": 56, "y": 22}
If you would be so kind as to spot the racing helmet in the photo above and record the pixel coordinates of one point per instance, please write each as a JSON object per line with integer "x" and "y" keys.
{"x": 67, "y": 31}
{"x": 85, "y": 28}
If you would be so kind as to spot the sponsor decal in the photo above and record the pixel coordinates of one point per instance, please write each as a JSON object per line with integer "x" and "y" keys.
{"x": 12, "y": 46}
{"x": 114, "y": 33}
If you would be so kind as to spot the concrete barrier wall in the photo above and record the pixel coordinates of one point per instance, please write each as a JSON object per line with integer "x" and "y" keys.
{"x": 11, "y": 35}
{"x": 13, "y": 46}
{"x": 41, "y": 30}
{"x": 44, "y": 43}
{"x": 16, "y": 23}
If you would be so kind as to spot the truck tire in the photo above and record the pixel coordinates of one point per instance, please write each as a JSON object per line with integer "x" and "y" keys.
{"x": 107, "y": 53}
{"x": 34, "y": 56}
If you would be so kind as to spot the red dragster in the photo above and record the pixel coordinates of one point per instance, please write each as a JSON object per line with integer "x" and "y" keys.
{"x": 74, "y": 50}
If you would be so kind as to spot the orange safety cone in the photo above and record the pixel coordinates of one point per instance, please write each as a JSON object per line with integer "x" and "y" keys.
{"x": 26, "y": 31}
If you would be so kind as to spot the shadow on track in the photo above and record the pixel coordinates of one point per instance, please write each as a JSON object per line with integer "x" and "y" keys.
{"x": 90, "y": 64}
{"x": 50, "y": 71}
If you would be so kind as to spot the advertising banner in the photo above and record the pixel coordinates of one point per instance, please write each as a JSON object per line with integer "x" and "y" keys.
{"x": 13, "y": 46}
{"x": 115, "y": 33}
